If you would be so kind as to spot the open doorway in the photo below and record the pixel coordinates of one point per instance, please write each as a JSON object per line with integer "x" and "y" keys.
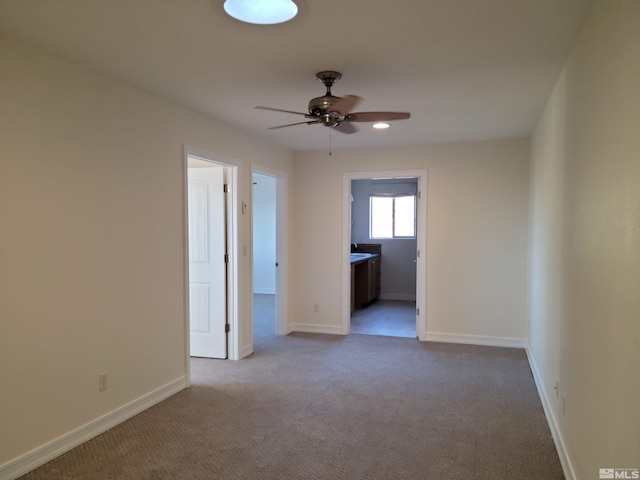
{"x": 211, "y": 260}
{"x": 268, "y": 253}
{"x": 264, "y": 256}
{"x": 384, "y": 274}
{"x": 383, "y": 256}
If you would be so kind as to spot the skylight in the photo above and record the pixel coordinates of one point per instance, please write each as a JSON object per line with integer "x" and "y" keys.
{"x": 261, "y": 12}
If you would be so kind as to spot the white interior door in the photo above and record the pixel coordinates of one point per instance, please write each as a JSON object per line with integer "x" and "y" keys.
{"x": 207, "y": 265}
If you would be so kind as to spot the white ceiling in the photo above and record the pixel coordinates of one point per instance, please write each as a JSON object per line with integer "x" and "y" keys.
{"x": 465, "y": 69}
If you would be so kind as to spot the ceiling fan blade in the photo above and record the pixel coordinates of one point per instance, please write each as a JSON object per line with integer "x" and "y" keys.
{"x": 346, "y": 127}
{"x": 378, "y": 116}
{"x": 292, "y": 124}
{"x": 345, "y": 104}
{"x": 283, "y": 111}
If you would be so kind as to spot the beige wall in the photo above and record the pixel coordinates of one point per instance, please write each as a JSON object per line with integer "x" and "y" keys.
{"x": 91, "y": 236}
{"x": 476, "y": 234}
{"x": 91, "y": 241}
{"x": 585, "y": 246}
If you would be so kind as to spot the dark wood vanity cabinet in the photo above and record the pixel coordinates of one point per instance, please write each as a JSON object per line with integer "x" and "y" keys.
{"x": 374, "y": 279}
{"x": 353, "y": 287}
{"x": 365, "y": 276}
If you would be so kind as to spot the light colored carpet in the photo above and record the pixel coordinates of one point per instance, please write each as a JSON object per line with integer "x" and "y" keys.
{"x": 264, "y": 316}
{"x": 327, "y": 407}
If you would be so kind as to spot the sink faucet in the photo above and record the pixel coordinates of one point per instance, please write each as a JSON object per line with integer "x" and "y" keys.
{"x": 354, "y": 245}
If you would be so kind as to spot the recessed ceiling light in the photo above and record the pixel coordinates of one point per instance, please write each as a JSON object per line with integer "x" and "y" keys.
{"x": 261, "y": 12}
{"x": 381, "y": 125}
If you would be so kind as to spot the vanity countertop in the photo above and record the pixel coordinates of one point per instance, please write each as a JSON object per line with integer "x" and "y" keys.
{"x": 361, "y": 257}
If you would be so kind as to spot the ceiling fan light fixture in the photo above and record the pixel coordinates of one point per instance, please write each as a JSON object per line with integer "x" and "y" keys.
{"x": 381, "y": 125}
{"x": 261, "y": 12}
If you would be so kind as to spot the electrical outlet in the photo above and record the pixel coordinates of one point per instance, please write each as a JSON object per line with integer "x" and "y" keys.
{"x": 316, "y": 307}
{"x": 102, "y": 382}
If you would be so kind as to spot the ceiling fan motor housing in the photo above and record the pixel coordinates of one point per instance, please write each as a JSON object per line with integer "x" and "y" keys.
{"x": 321, "y": 105}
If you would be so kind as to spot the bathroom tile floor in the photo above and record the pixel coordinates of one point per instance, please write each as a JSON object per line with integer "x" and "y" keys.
{"x": 391, "y": 318}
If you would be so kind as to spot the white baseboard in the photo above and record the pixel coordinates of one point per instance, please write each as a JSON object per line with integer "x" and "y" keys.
{"x": 245, "y": 351}
{"x": 567, "y": 467}
{"x": 314, "y": 328}
{"x": 407, "y": 297}
{"x": 47, "y": 452}
{"x": 474, "y": 340}
{"x": 264, "y": 291}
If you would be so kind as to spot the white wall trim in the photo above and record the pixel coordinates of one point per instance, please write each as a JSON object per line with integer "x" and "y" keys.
{"x": 567, "y": 466}
{"x": 316, "y": 328}
{"x": 474, "y": 340}
{"x": 246, "y": 350}
{"x": 47, "y": 452}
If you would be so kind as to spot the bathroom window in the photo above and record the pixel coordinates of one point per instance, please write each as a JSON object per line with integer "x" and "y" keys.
{"x": 392, "y": 216}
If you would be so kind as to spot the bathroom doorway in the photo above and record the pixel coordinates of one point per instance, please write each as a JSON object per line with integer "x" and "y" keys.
{"x": 385, "y": 227}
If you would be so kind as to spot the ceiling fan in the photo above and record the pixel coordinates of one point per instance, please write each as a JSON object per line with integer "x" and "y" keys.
{"x": 336, "y": 112}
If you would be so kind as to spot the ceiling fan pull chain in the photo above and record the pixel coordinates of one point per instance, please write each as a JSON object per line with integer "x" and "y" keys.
{"x": 330, "y": 128}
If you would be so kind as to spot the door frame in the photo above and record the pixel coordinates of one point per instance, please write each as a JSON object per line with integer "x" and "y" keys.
{"x": 281, "y": 247}
{"x": 232, "y": 167}
{"x": 421, "y": 241}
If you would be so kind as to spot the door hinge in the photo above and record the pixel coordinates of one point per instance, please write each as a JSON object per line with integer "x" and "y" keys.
{"x": 227, "y": 328}
{"x": 418, "y": 311}
{"x": 226, "y": 258}
{"x": 419, "y": 195}
{"x": 225, "y": 188}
